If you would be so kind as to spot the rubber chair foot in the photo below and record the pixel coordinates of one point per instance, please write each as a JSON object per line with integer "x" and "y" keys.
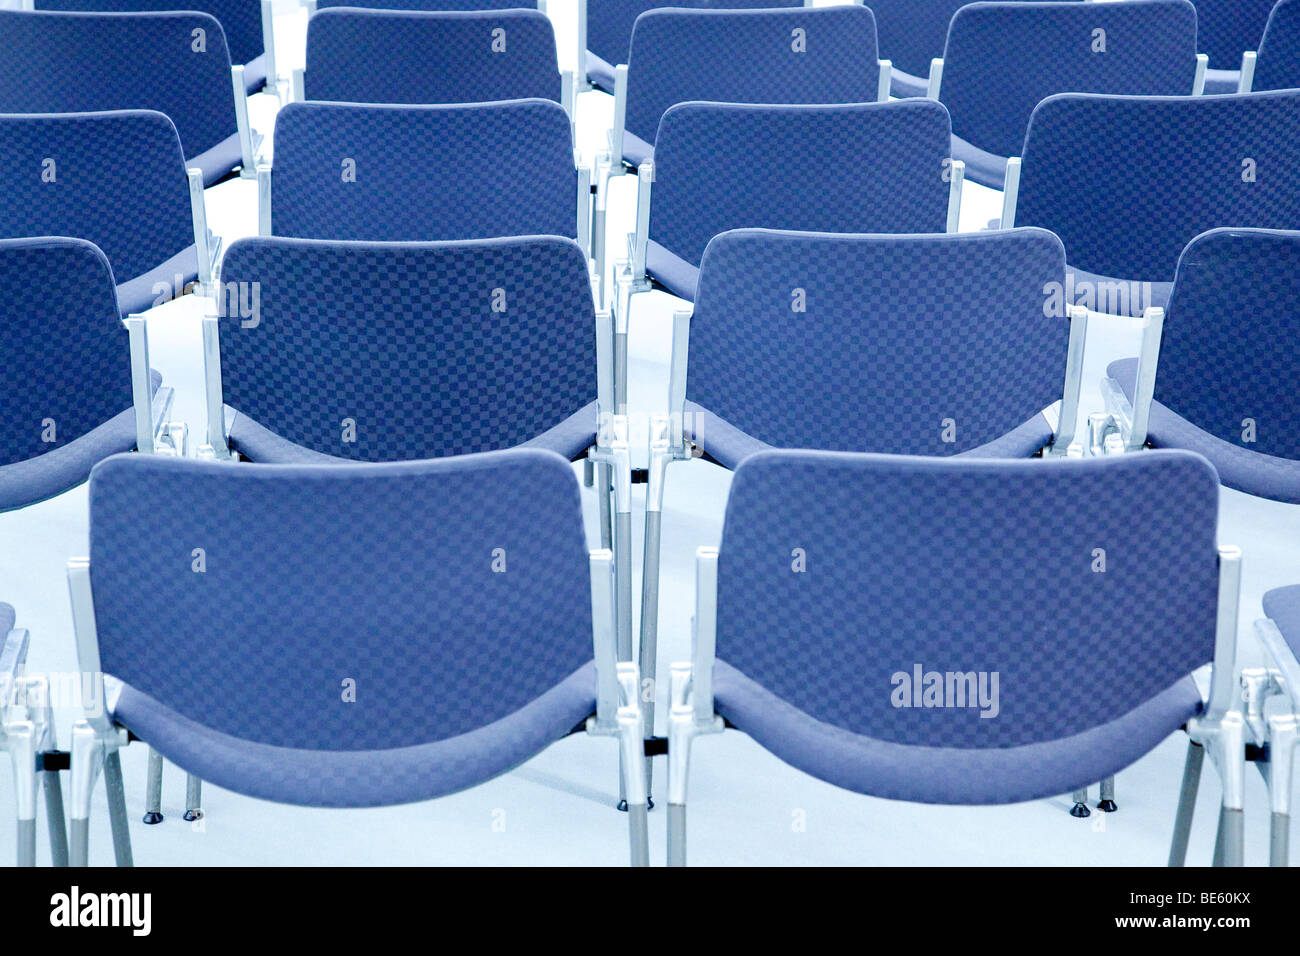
{"x": 192, "y": 815}
{"x": 649, "y": 805}
{"x": 1107, "y": 806}
{"x": 1080, "y": 810}
{"x": 152, "y": 818}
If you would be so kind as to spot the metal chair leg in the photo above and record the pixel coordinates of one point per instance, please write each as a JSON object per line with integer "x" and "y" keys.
{"x": 1107, "y": 802}
{"x": 604, "y": 504}
{"x": 1232, "y": 831}
{"x": 20, "y": 740}
{"x": 1279, "y": 839}
{"x": 193, "y": 797}
{"x": 588, "y": 472}
{"x": 117, "y": 808}
{"x": 87, "y": 761}
{"x": 1186, "y": 803}
{"x": 54, "y": 817}
{"x": 1080, "y": 808}
{"x": 153, "y": 789}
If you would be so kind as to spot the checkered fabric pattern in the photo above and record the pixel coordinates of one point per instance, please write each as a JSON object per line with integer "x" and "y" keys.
{"x": 424, "y": 172}
{"x": 748, "y": 56}
{"x": 1227, "y": 28}
{"x": 876, "y": 167}
{"x": 114, "y": 178}
{"x": 241, "y": 20}
{"x": 897, "y": 334}
{"x": 1128, "y": 181}
{"x": 963, "y": 565}
{"x": 432, "y": 349}
{"x": 67, "y": 364}
{"x": 1002, "y": 59}
{"x": 1278, "y": 64}
{"x": 395, "y": 56}
{"x": 318, "y": 575}
{"x": 73, "y": 62}
{"x": 912, "y": 33}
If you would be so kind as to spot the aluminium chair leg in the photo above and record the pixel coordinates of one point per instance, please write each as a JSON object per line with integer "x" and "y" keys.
{"x": 623, "y": 604}
{"x": 604, "y": 503}
{"x": 1282, "y": 735}
{"x": 676, "y": 834}
{"x": 87, "y": 761}
{"x": 54, "y": 817}
{"x": 117, "y": 809}
{"x": 1107, "y": 802}
{"x": 1080, "y": 808}
{"x": 20, "y": 739}
{"x": 193, "y": 798}
{"x": 153, "y": 789}
{"x": 588, "y": 472}
{"x": 1186, "y": 803}
{"x": 1229, "y": 846}
{"x": 649, "y": 649}
{"x": 1279, "y": 839}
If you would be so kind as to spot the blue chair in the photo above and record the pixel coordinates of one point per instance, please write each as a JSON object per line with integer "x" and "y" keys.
{"x": 911, "y": 35}
{"x": 176, "y": 63}
{"x": 247, "y": 26}
{"x": 1276, "y": 65}
{"x": 1128, "y": 181}
{"x": 605, "y": 31}
{"x": 272, "y": 699}
{"x": 76, "y": 384}
{"x": 875, "y": 167}
{"x": 27, "y": 735}
{"x": 1271, "y": 695}
{"x": 1222, "y": 386}
{"x": 1002, "y": 59}
{"x": 1227, "y": 28}
{"x": 400, "y": 56}
{"x": 909, "y": 345}
{"x": 915, "y": 673}
{"x": 119, "y": 180}
{"x": 406, "y": 173}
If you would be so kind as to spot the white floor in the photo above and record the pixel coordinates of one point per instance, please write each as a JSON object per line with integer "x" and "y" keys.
{"x": 746, "y": 806}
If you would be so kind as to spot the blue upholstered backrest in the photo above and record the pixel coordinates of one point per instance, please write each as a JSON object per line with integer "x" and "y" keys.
{"x": 1278, "y": 64}
{"x": 423, "y": 172}
{"x": 868, "y": 343}
{"x": 75, "y": 62}
{"x": 863, "y": 168}
{"x": 432, "y": 349}
{"x": 962, "y": 566}
{"x": 1228, "y": 27}
{"x": 66, "y": 364}
{"x": 398, "y": 56}
{"x": 748, "y": 56}
{"x": 1228, "y": 361}
{"x": 317, "y": 574}
{"x": 610, "y": 22}
{"x": 427, "y": 4}
{"x": 912, "y": 32}
{"x": 241, "y": 20}
{"x": 1128, "y": 181}
{"x": 115, "y": 178}
{"x": 1003, "y": 58}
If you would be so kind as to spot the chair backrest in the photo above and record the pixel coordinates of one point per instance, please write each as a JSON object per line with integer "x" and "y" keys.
{"x": 1278, "y": 64}
{"x": 1128, "y": 181}
{"x": 66, "y": 366}
{"x": 425, "y": 4}
{"x": 432, "y": 349}
{"x": 399, "y": 56}
{"x": 1226, "y": 358}
{"x": 799, "y": 55}
{"x": 610, "y": 22}
{"x": 473, "y": 171}
{"x": 319, "y": 574}
{"x": 878, "y": 167}
{"x": 918, "y": 566}
{"x": 175, "y": 63}
{"x": 911, "y": 33}
{"x": 1002, "y": 59}
{"x": 1227, "y": 28}
{"x": 872, "y": 343}
{"x": 114, "y": 178}
{"x": 241, "y": 20}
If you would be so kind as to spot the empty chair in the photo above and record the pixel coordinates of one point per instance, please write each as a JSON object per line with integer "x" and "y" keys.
{"x": 1222, "y": 386}
{"x": 1128, "y": 181}
{"x": 870, "y": 620}
{"x": 605, "y": 30}
{"x": 1227, "y": 28}
{"x": 117, "y": 179}
{"x": 27, "y": 735}
{"x": 175, "y": 63}
{"x": 448, "y": 693}
{"x": 911, "y": 34}
{"x": 246, "y": 24}
{"x": 76, "y": 384}
{"x": 472, "y": 171}
{"x": 876, "y": 167}
{"x": 1272, "y": 711}
{"x": 1276, "y": 65}
{"x": 1002, "y": 59}
{"x": 398, "y": 56}
{"x": 915, "y": 345}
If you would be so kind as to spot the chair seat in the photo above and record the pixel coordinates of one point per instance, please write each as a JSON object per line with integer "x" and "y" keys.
{"x": 903, "y": 85}
{"x": 985, "y": 168}
{"x": 1282, "y": 606}
{"x": 728, "y": 445}
{"x": 1129, "y": 297}
{"x": 636, "y": 150}
{"x": 140, "y": 294}
{"x": 948, "y": 775}
{"x": 1218, "y": 82}
{"x": 219, "y": 161}
{"x": 599, "y": 73}
{"x": 1249, "y": 471}
{"x": 360, "y": 778}
{"x": 570, "y": 438}
{"x": 671, "y": 271}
